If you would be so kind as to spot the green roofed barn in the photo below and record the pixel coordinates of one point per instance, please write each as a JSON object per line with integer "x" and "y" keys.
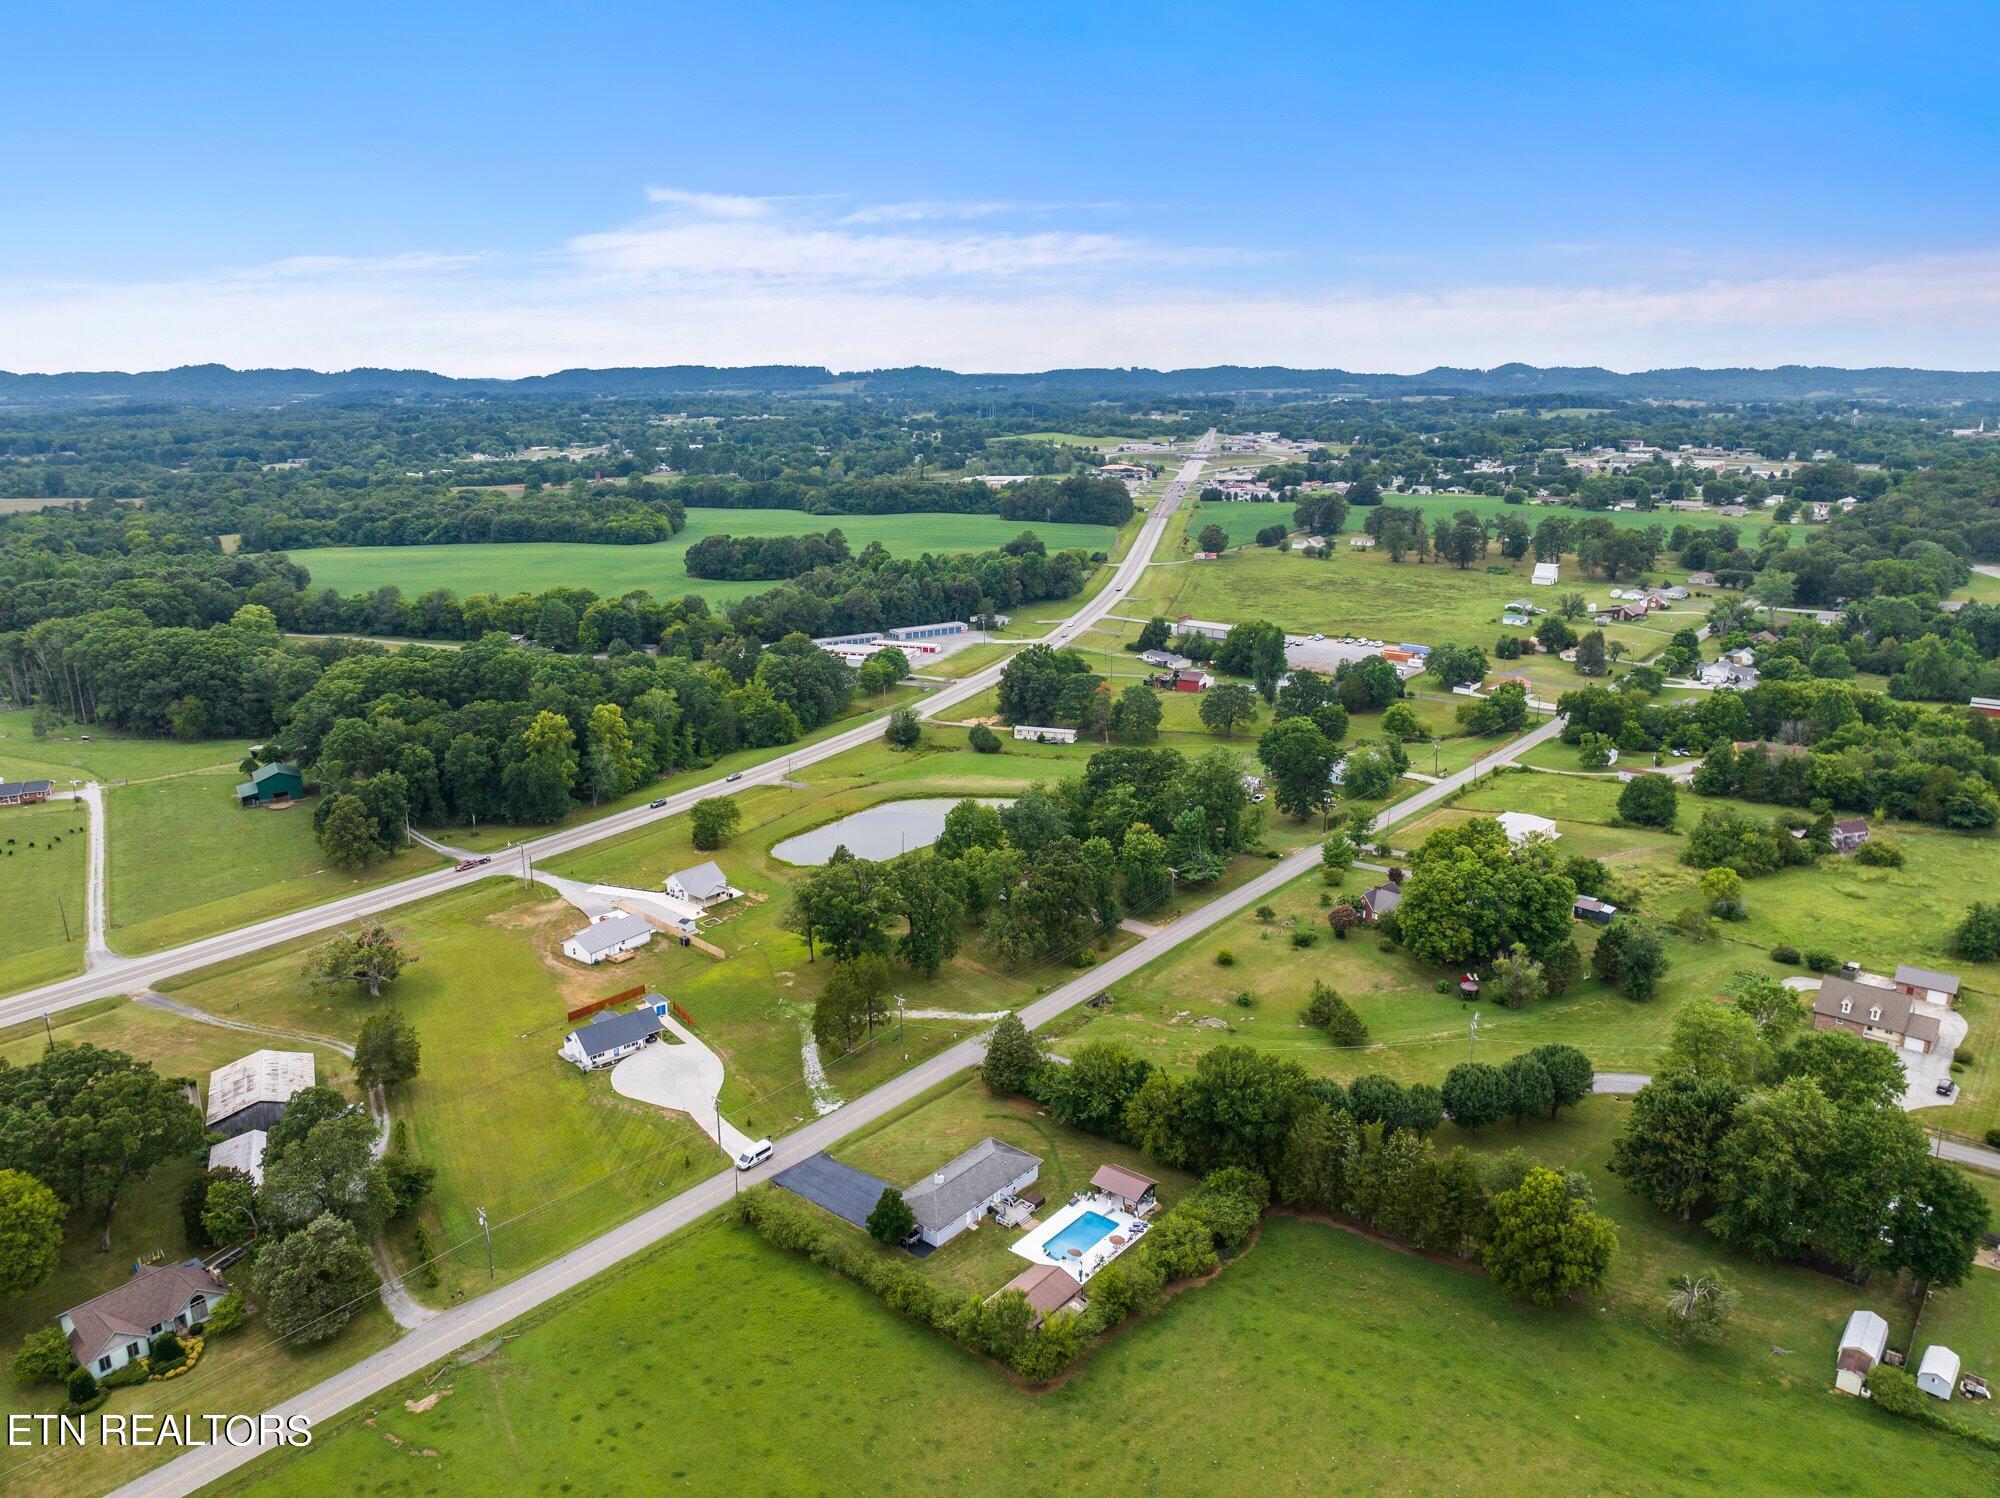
{"x": 271, "y": 783}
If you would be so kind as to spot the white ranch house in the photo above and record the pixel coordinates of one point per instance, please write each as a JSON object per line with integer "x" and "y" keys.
{"x": 703, "y": 885}
{"x": 956, "y": 1195}
{"x": 608, "y": 936}
{"x": 110, "y": 1331}
{"x": 613, "y": 1035}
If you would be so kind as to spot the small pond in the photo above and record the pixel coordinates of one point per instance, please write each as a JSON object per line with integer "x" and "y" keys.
{"x": 884, "y": 831}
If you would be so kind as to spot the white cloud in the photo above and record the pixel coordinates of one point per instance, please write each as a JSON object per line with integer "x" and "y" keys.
{"x": 738, "y": 280}
{"x": 714, "y": 204}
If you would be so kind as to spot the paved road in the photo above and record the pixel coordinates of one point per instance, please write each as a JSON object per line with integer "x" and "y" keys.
{"x": 487, "y": 1314}
{"x": 116, "y": 975}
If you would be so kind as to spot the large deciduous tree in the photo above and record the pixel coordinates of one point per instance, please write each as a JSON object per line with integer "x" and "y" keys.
{"x": 313, "y": 1281}
{"x": 370, "y": 956}
{"x": 87, "y": 1122}
{"x": 1546, "y": 1245}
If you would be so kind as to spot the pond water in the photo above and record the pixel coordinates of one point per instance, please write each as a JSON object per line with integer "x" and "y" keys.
{"x": 884, "y": 831}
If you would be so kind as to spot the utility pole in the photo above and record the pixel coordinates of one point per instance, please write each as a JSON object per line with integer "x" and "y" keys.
{"x": 1472, "y": 1035}
{"x": 488, "y": 1232}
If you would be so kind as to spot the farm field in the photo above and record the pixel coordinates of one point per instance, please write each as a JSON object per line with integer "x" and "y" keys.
{"x": 44, "y": 852}
{"x": 183, "y": 859}
{"x": 1357, "y": 593}
{"x": 1243, "y": 519}
{"x": 1314, "y": 1331}
{"x": 243, "y": 1372}
{"x": 187, "y": 861}
{"x": 532, "y": 566}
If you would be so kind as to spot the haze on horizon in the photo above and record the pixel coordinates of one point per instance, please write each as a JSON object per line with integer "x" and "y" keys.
{"x": 507, "y": 192}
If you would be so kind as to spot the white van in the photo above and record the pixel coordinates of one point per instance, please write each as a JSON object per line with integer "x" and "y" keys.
{"x": 754, "y": 1155}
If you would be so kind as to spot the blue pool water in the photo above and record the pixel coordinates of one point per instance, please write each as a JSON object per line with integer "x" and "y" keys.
{"x": 1082, "y": 1234}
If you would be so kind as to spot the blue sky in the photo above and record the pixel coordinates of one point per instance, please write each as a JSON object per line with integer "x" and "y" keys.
{"x": 507, "y": 188}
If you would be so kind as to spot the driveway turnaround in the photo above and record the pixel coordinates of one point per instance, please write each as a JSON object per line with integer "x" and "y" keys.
{"x": 686, "y": 1078}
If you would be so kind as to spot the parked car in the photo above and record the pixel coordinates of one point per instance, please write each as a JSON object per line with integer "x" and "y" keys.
{"x": 463, "y": 864}
{"x": 753, "y": 1155}
{"x": 1946, "y": 1087}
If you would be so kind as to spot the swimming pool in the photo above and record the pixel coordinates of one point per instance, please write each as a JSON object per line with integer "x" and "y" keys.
{"x": 1079, "y": 1236}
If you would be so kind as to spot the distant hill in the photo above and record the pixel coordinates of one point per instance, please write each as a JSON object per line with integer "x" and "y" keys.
{"x": 219, "y": 384}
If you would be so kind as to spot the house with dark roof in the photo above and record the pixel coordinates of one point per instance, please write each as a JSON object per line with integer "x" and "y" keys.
{"x": 107, "y": 1333}
{"x": 25, "y": 792}
{"x": 957, "y": 1194}
{"x": 1874, "y": 1013}
{"x": 1590, "y": 908}
{"x": 1379, "y": 901}
{"x": 271, "y": 783}
{"x": 612, "y": 1036}
{"x": 1849, "y": 833}
{"x": 1927, "y": 984}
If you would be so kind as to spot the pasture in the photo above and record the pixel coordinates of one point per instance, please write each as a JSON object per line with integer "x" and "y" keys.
{"x": 533, "y": 566}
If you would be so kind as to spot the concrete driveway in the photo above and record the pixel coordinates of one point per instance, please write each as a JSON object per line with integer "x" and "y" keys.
{"x": 684, "y": 1078}
{"x": 1925, "y": 1069}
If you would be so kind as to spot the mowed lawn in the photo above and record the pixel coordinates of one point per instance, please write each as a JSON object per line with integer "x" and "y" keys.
{"x": 187, "y": 861}
{"x": 551, "y": 1154}
{"x": 1319, "y": 1362}
{"x": 532, "y": 566}
{"x": 44, "y": 853}
{"x": 755, "y": 1005}
{"x": 1177, "y": 1008}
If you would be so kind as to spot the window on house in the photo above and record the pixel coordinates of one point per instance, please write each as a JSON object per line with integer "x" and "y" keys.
{"x": 1874, "y": 1013}
{"x": 1847, "y": 1006}
{"x": 104, "y": 1363}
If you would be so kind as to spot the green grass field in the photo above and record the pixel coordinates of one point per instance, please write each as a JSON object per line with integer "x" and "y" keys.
{"x": 1358, "y": 592}
{"x": 532, "y": 566}
{"x": 1318, "y": 1362}
{"x": 184, "y": 860}
{"x": 187, "y": 861}
{"x": 44, "y": 851}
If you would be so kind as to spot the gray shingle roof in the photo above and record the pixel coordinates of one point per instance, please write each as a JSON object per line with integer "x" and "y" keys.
{"x": 613, "y": 931}
{"x": 968, "y": 1183}
{"x": 14, "y": 788}
{"x": 1926, "y": 977}
{"x": 702, "y": 882}
{"x": 608, "y": 1032}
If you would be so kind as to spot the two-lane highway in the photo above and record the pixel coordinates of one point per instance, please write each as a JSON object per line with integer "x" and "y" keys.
{"x": 120, "y": 975}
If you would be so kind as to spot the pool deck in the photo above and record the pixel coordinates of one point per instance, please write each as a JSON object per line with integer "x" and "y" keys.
{"x": 1124, "y": 1226}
